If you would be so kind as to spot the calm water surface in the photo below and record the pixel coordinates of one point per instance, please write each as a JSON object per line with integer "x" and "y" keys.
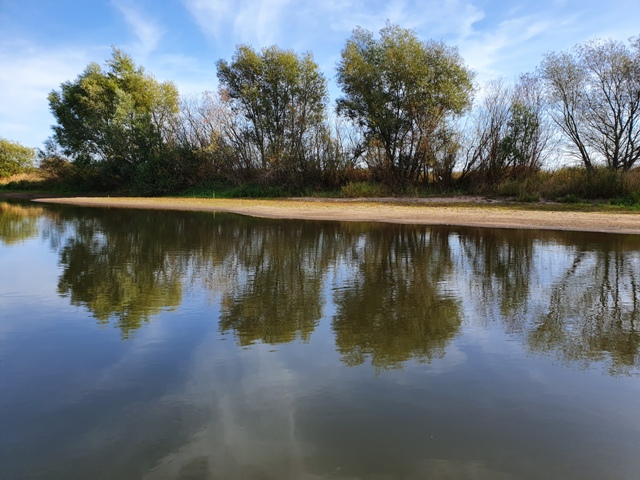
{"x": 174, "y": 345}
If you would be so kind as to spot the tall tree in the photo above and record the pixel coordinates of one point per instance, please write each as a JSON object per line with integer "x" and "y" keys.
{"x": 594, "y": 94}
{"x": 282, "y": 96}
{"x": 113, "y": 119}
{"x": 401, "y": 91}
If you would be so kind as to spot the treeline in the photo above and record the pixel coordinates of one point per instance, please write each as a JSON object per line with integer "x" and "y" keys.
{"x": 405, "y": 122}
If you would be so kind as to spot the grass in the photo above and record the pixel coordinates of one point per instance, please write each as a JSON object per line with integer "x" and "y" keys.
{"x": 219, "y": 189}
{"x": 362, "y": 189}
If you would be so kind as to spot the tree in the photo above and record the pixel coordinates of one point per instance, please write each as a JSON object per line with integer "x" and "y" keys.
{"x": 401, "y": 91}
{"x": 594, "y": 94}
{"x": 14, "y": 158}
{"x": 510, "y": 135}
{"x": 282, "y": 97}
{"x": 113, "y": 120}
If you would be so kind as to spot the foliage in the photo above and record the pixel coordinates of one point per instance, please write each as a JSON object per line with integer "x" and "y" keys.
{"x": 109, "y": 122}
{"x": 567, "y": 185}
{"x": 223, "y": 189}
{"x": 362, "y": 189}
{"x": 14, "y": 158}
{"x": 280, "y": 98}
{"x": 632, "y": 199}
{"x": 594, "y": 93}
{"x": 400, "y": 127}
{"x": 401, "y": 91}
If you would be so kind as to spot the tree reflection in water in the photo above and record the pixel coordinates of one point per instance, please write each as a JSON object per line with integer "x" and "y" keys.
{"x": 18, "y": 222}
{"x": 393, "y": 307}
{"x": 399, "y": 292}
{"x": 593, "y": 308}
{"x": 279, "y": 296}
{"x": 117, "y": 271}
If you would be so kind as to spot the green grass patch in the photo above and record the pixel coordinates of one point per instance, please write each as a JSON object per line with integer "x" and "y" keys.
{"x": 631, "y": 200}
{"x": 362, "y": 189}
{"x": 248, "y": 190}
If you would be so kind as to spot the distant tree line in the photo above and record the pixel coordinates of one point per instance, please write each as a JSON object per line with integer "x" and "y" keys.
{"x": 406, "y": 120}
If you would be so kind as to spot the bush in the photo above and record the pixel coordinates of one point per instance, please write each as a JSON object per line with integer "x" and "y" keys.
{"x": 578, "y": 183}
{"x": 57, "y": 168}
{"x": 569, "y": 199}
{"x": 362, "y": 189}
{"x": 631, "y": 181}
{"x": 14, "y": 158}
{"x": 629, "y": 200}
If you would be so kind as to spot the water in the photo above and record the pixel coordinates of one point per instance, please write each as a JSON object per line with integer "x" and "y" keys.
{"x": 173, "y": 345}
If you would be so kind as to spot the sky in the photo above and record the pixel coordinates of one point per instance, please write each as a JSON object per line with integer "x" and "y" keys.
{"x": 44, "y": 43}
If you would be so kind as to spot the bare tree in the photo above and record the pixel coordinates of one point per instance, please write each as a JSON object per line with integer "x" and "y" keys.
{"x": 487, "y": 125}
{"x": 594, "y": 97}
{"x": 509, "y": 133}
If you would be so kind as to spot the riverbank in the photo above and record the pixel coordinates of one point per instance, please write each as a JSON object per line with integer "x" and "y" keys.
{"x": 462, "y": 211}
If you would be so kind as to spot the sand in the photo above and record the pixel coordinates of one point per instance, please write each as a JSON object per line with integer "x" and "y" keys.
{"x": 463, "y": 211}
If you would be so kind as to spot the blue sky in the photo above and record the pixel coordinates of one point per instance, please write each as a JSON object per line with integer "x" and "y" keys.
{"x": 44, "y": 43}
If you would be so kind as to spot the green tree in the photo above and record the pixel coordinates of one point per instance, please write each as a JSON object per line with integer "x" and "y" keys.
{"x": 401, "y": 91}
{"x": 114, "y": 120}
{"x": 282, "y": 97}
{"x": 14, "y": 158}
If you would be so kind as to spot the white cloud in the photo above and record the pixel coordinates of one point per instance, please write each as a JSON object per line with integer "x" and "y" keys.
{"x": 148, "y": 33}
{"x": 256, "y": 22}
{"x": 29, "y": 73}
{"x": 264, "y": 22}
{"x": 513, "y": 41}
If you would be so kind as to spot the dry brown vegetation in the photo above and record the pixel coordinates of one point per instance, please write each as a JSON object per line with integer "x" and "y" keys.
{"x": 20, "y": 177}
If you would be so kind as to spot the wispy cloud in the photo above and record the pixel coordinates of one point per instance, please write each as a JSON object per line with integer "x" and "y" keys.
{"x": 148, "y": 33}
{"x": 263, "y": 22}
{"x": 505, "y": 45}
{"x": 250, "y": 21}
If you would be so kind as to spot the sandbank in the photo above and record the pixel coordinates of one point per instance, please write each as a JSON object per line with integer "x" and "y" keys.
{"x": 461, "y": 211}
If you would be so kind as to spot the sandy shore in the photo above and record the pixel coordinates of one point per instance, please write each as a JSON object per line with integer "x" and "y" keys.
{"x": 464, "y": 211}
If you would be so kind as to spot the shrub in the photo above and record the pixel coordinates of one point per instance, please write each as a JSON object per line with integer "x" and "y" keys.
{"x": 569, "y": 199}
{"x": 629, "y": 200}
{"x": 362, "y": 189}
{"x": 14, "y": 158}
